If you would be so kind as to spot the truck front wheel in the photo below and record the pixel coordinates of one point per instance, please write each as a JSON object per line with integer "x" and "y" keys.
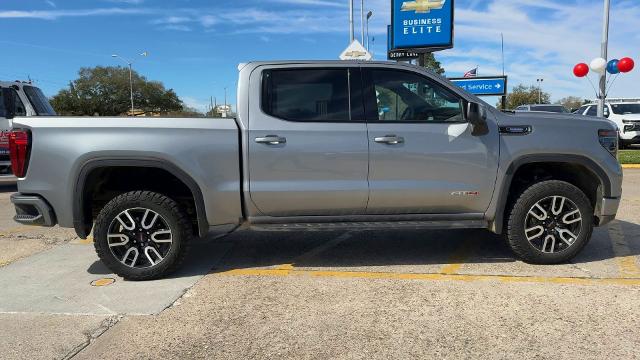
{"x": 550, "y": 223}
{"x": 142, "y": 235}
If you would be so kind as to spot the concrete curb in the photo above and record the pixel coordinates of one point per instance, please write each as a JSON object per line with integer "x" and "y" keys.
{"x": 631, "y": 166}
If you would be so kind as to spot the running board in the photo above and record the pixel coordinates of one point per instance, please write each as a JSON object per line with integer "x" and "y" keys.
{"x": 402, "y": 225}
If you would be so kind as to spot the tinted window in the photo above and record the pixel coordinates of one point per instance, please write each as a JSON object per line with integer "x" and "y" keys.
{"x": 306, "y": 94}
{"x": 593, "y": 111}
{"x": 582, "y": 110}
{"x": 39, "y": 101}
{"x": 409, "y": 97}
{"x": 624, "y": 109}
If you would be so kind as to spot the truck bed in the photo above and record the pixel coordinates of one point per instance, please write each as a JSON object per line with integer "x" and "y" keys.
{"x": 205, "y": 149}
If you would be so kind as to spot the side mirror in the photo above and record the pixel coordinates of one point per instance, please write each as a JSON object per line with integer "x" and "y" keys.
{"x": 9, "y": 102}
{"x": 477, "y": 116}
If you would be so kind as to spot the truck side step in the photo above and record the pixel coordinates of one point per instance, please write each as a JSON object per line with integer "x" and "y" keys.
{"x": 408, "y": 225}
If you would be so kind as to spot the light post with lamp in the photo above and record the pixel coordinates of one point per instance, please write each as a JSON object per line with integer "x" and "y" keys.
{"x": 369, "y": 15}
{"x": 130, "y": 64}
{"x": 539, "y": 81}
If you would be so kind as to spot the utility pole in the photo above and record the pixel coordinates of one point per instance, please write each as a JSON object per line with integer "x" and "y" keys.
{"x": 351, "y": 29}
{"x": 604, "y": 49}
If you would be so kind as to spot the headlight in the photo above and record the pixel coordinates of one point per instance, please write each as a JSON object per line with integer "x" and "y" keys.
{"x": 609, "y": 141}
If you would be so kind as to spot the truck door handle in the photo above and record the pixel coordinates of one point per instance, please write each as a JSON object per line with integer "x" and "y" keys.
{"x": 389, "y": 140}
{"x": 271, "y": 140}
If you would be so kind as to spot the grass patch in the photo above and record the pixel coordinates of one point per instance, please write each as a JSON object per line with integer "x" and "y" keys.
{"x": 630, "y": 156}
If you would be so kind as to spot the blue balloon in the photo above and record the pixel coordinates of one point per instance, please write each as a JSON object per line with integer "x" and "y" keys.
{"x": 612, "y": 67}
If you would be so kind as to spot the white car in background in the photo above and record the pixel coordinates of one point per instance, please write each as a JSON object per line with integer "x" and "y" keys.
{"x": 625, "y": 113}
{"x": 29, "y": 101}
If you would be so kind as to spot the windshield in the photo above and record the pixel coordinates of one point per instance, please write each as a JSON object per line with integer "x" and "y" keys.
{"x": 624, "y": 109}
{"x": 555, "y": 109}
{"x": 39, "y": 102}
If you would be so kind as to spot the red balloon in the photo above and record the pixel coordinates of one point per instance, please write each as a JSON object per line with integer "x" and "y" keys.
{"x": 581, "y": 70}
{"x": 626, "y": 64}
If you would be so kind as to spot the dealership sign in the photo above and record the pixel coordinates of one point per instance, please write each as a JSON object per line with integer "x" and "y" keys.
{"x": 483, "y": 86}
{"x": 398, "y": 55}
{"x": 422, "y": 25}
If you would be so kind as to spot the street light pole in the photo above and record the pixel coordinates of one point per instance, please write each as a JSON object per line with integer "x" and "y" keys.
{"x": 604, "y": 54}
{"x": 130, "y": 77}
{"x": 351, "y": 29}
{"x": 369, "y": 15}
{"x": 539, "y": 81}
{"x": 362, "y": 19}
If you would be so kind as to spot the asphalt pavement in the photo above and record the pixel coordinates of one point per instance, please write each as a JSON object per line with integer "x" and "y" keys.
{"x": 345, "y": 295}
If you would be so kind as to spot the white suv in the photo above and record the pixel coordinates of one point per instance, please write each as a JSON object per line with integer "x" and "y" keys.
{"x": 625, "y": 113}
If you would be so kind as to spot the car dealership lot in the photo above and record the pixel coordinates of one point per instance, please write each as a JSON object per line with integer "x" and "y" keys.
{"x": 409, "y": 294}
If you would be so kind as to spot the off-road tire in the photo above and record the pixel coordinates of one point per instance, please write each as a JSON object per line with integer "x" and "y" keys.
{"x": 516, "y": 237}
{"x": 170, "y": 211}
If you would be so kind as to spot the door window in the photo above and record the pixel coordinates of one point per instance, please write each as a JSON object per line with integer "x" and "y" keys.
{"x": 593, "y": 111}
{"x": 309, "y": 95}
{"x": 403, "y": 96}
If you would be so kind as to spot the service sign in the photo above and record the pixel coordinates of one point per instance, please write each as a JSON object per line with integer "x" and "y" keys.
{"x": 422, "y": 24}
{"x": 483, "y": 86}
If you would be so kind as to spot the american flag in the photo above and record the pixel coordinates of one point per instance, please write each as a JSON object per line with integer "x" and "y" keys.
{"x": 471, "y": 73}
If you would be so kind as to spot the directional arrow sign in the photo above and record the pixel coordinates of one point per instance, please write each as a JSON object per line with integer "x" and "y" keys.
{"x": 483, "y": 86}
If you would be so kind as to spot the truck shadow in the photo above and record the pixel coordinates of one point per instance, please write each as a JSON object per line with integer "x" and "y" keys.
{"x": 428, "y": 250}
{"x": 401, "y": 248}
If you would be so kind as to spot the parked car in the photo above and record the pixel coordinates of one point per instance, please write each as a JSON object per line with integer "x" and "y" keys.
{"x": 625, "y": 113}
{"x": 542, "y": 108}
{"x": 320, "y": 146}
{"x": 28, "y": 101}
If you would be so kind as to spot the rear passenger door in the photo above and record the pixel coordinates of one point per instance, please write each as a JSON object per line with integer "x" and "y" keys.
{"x": 308, "y": 148}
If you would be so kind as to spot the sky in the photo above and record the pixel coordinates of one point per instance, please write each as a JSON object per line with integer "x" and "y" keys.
{"x": 194, "y": 46}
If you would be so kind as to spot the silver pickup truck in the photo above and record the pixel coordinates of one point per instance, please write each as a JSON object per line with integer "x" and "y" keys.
{"x": 320, "y": 146}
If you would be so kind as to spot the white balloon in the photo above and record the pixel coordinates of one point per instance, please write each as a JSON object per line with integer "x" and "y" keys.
{"x": 599, "y": 65}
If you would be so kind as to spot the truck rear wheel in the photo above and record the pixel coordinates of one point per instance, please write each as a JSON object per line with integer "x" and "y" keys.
{"x": 550, "y": 223}
{"x": 142, "y": 235}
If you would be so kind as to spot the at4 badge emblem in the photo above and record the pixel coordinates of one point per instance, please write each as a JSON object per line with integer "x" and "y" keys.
{"x": 465, "y": 193}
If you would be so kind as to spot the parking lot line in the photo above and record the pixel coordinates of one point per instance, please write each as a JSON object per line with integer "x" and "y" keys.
{"x": 627, "y": 263}
{"x": 433, "y": 277}
{"x": 458, "y": 258}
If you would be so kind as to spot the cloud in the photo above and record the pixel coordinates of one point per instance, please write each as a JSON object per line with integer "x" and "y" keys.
{"x": 177, "y": 27}
{"x": 132, "y": 2}
{"x": 56, "y": 14}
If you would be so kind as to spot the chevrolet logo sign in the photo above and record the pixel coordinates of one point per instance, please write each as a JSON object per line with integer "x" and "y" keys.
{"x": 422, "y": 6}
{"x": 356, "y": 54}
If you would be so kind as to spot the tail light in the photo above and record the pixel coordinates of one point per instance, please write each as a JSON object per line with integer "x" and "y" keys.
{"x": 609, "y": 140}
{"x": 19, "y": 151}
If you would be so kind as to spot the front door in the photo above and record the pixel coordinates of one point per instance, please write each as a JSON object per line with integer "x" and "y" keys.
{"x": 423, "y": 157}
{"x": 308, "y": 154}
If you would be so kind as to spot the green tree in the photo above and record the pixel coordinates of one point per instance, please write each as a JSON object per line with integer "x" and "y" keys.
{"x": 571, "y": 102}
{"x": 105, "y": 91}
{"x": 524, "y": 95}
{"x": 431, "y": 63}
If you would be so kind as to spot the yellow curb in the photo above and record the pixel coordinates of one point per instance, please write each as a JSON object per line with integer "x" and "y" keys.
{"x": 631, "y": 166}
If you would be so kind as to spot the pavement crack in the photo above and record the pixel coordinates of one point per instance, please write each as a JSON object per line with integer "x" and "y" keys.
{"x": 94, "y": 334}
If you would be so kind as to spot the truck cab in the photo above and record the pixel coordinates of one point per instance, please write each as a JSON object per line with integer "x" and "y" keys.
{"x": 28, "y": 101}
{"x": 625, "y": 113}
